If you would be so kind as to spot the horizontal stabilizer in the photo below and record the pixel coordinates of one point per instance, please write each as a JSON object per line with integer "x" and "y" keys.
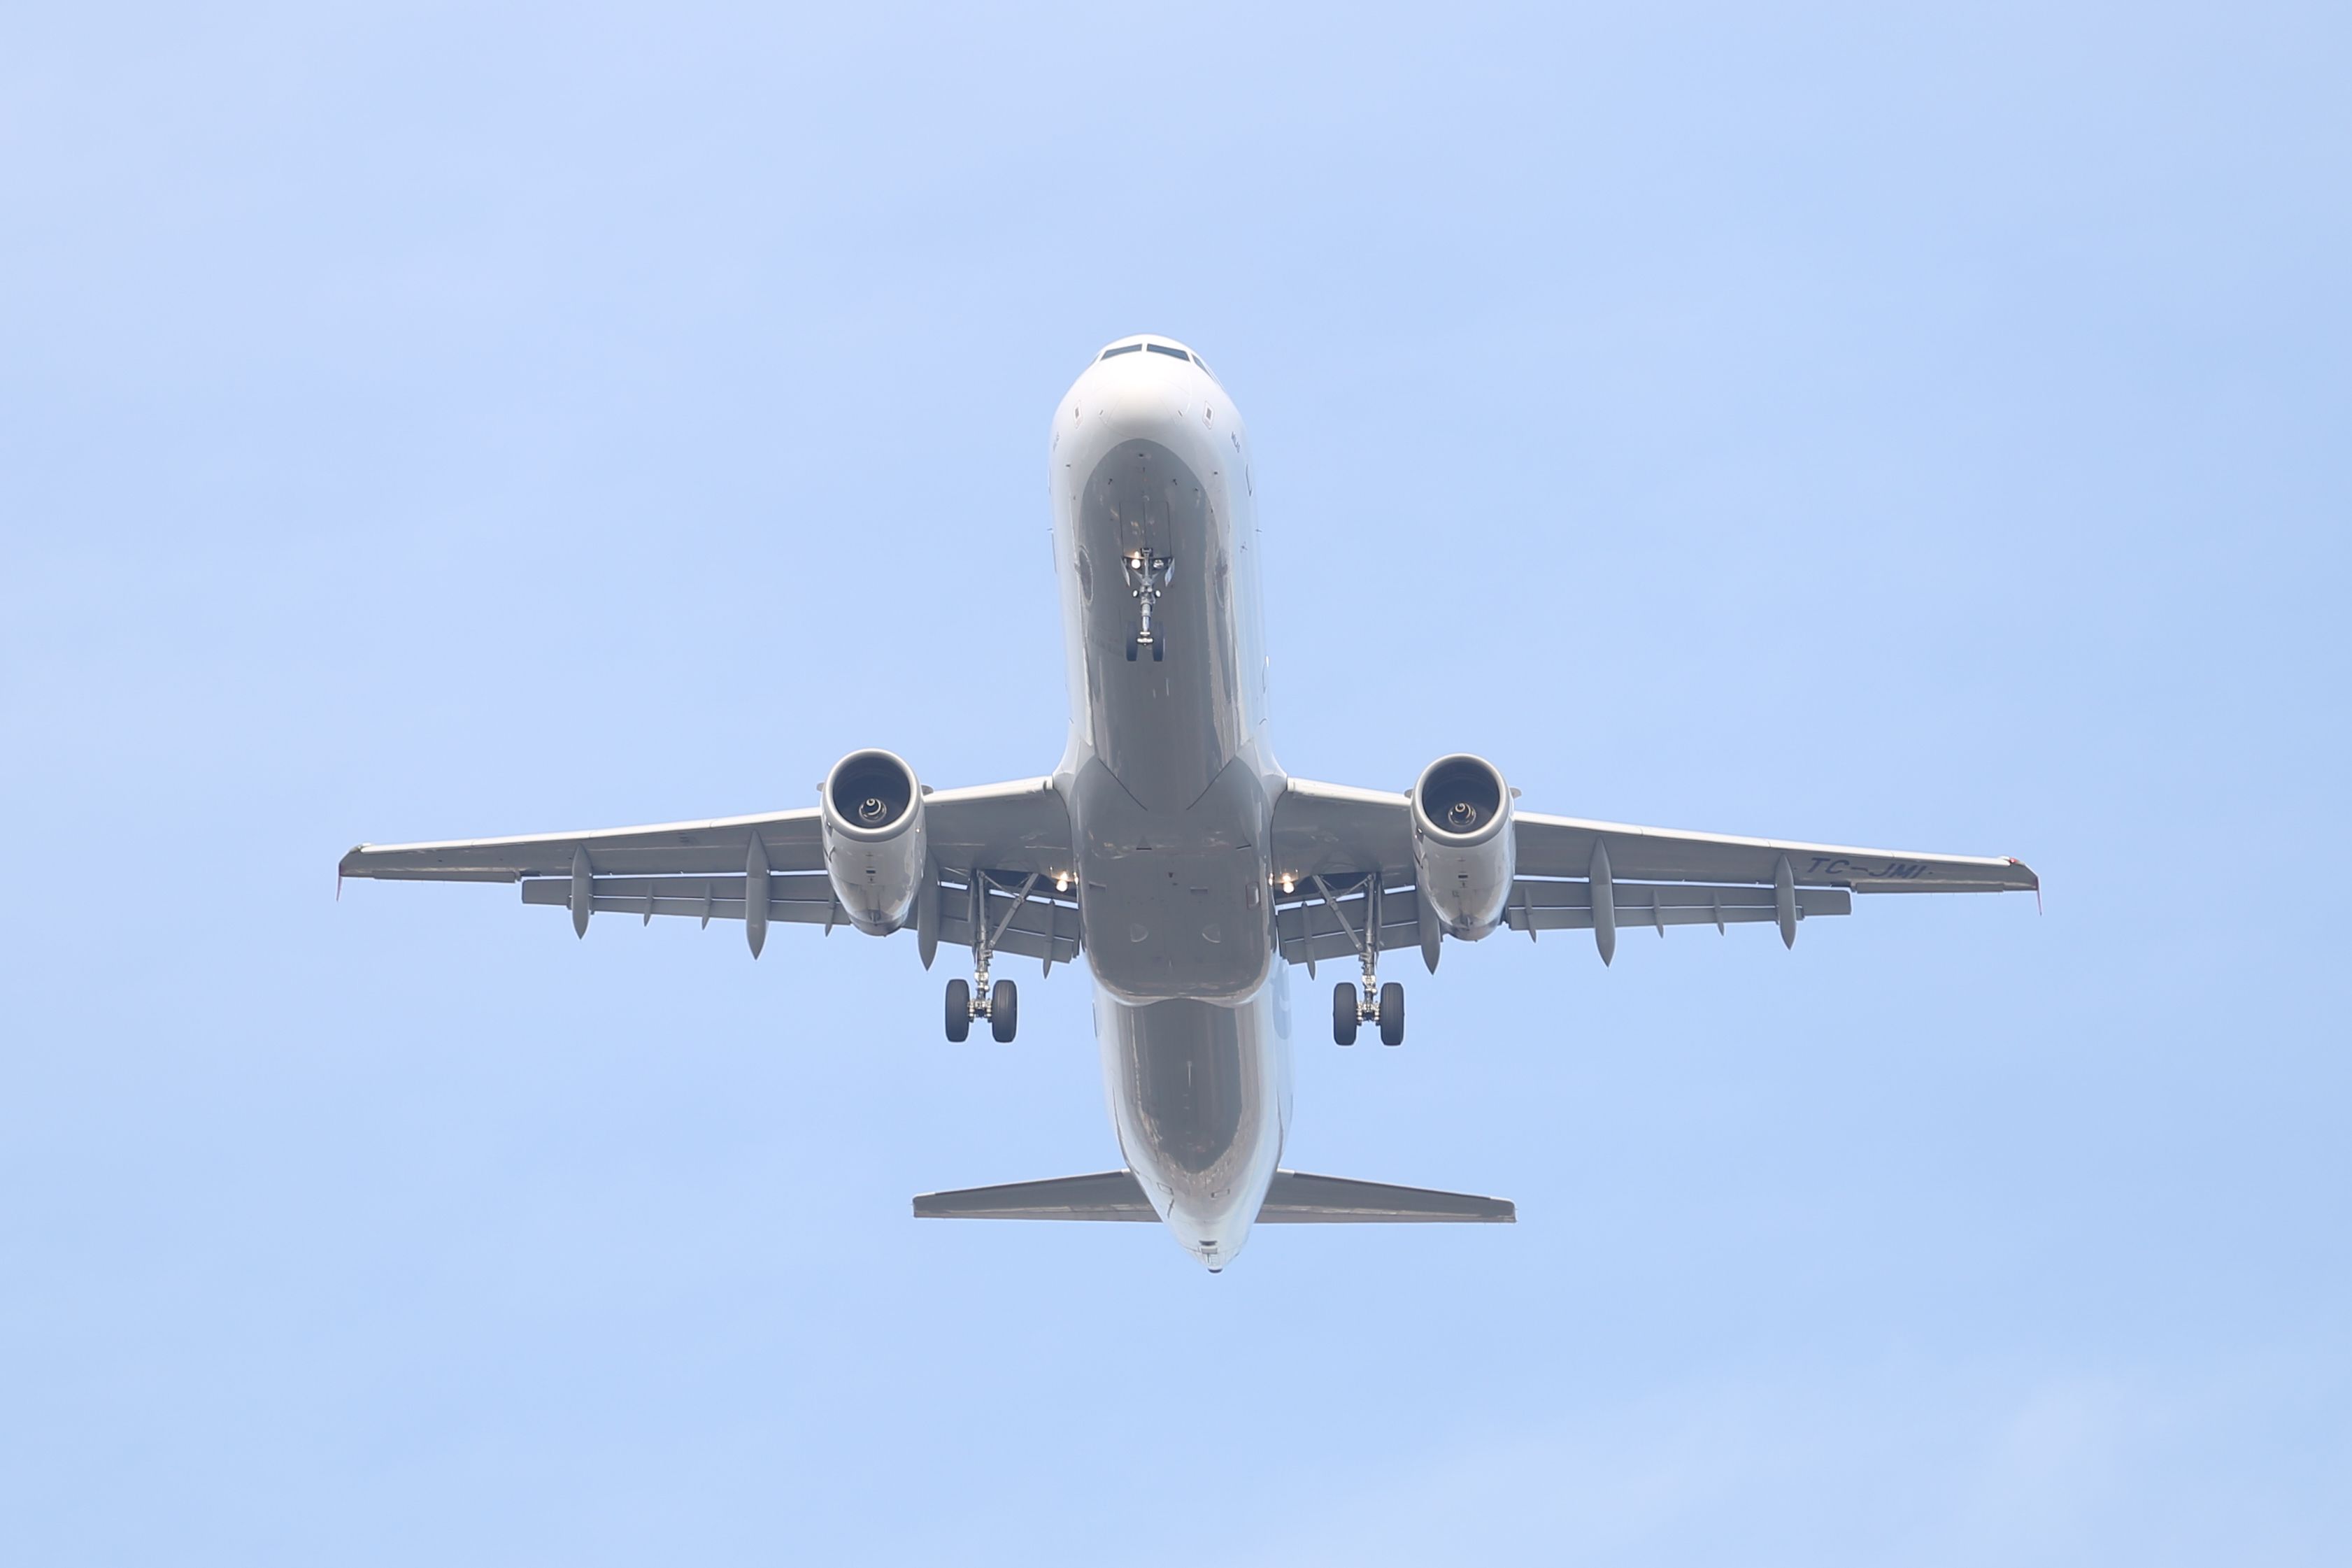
{"x": 1296, "y": 1198}
{"x": 1106, "y": 1194}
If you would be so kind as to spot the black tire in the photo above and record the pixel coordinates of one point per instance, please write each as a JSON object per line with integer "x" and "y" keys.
{"x": 1131, "y": 645}
{"x": 1392, "y": 1014}
{"x": 959, "y": 1010}
{"x": 1159, "y": 649}
{"x": 1003, "y": 1011}
{"x": 1343, "y": 1014}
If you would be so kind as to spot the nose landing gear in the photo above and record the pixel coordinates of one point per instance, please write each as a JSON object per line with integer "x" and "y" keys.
{"x": 1147, "y": 579}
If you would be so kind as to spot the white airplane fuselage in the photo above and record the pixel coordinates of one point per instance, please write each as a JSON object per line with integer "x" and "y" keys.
{"x": 1171, "y": 784}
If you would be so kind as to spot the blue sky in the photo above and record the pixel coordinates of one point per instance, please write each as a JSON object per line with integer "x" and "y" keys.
{"x": 1910, "y": 428}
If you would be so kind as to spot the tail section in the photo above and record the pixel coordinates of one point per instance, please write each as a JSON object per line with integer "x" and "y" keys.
{"x": 1295, "y": 1198}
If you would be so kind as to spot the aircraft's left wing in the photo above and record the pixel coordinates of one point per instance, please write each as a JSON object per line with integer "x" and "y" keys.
{"x": 995, "y": 849}
{"x": 1345, "y": 867}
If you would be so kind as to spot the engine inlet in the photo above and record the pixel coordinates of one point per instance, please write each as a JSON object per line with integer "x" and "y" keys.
{"x": 872, "y": 789}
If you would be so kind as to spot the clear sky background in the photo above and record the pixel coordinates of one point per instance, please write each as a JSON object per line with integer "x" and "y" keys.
{"x": 1895, "y": 426}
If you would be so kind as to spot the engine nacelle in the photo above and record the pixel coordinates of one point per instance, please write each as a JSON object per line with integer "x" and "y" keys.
{"x": 1463, "y": 852}
{"x": 876, "y": 849}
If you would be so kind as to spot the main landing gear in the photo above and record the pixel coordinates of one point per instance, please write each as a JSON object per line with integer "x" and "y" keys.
{"x": 998, "y": 1004}
{"x": 1351, "y": 1007}
{"x": 1147, "y": 580}
{"x": 1369, "y": 1000}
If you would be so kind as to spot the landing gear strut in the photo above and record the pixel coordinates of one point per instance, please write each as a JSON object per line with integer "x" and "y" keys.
{"x": 1369, "y": 1000}
{"x": 1000, "y": 1004}
{"x": 1147, "y": 580}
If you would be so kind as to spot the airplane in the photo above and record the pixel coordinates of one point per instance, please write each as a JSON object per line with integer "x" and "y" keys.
{"x": 1170, "y": 850}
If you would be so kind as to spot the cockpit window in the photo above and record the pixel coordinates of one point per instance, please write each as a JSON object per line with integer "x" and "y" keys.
{"x": 1122, "y": 349}
{"x": 1164, "y": 349}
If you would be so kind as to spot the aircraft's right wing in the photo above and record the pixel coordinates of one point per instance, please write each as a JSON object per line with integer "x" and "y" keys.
{"x": 1344, "y": 860}
{"x": 1563, "y": 845}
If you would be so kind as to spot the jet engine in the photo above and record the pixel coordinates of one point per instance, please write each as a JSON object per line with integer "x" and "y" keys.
{"x": 1463, "y": 846}
{"x": 876, "y": 849}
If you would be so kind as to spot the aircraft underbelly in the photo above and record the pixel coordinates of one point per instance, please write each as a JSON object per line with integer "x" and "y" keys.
{"x": 1171, "y": 824}
{"x": 1171, "y": 816}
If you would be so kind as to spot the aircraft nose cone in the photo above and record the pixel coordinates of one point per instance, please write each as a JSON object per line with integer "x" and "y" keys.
{"x": 1136, "y": 403}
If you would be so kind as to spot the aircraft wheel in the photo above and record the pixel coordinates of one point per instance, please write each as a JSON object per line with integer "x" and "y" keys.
{"x": 1158, "y": 649}
{"x": 1131, "y": 645}
{"x": 959, "y": 1010}
{"x": 1343, "y": 1014}
{"x": 1392, "y": 1014}
{"x": 1003, "y": 1011}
